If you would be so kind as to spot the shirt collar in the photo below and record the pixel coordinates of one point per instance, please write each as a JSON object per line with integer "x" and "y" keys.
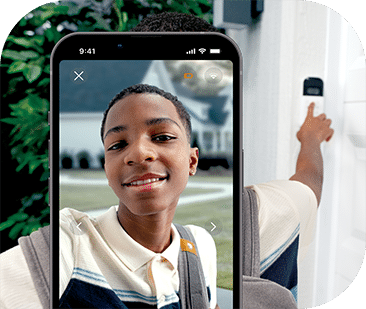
{"x": 130, "y": 252}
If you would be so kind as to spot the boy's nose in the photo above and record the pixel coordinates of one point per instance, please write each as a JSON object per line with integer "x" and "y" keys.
{"x": 139, "y": 153}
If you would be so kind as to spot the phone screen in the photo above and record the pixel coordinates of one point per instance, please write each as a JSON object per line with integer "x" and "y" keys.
{"x": 91, "y": 178}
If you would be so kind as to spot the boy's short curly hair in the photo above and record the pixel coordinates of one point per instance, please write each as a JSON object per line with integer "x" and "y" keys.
{"x": 173, "y": 22}
{"x": 164, "y": 22}
{"x": 144, "y": 88}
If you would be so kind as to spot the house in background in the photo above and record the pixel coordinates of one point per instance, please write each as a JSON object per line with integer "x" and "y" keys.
{"x": 84, "y": 101}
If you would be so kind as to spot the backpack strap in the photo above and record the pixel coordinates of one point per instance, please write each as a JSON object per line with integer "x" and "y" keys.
{"x": 192, "y": 287}
{"x": 36, "y": 250}
{"x": 258, "y": 293}
{"x": 250, "y": 228}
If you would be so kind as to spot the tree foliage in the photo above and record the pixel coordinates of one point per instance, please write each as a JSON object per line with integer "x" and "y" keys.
{"x": 26, "y": 61}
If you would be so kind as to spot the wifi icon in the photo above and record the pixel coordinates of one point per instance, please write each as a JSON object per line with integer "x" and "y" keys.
{"x": 202, "y": 50}
{"x": 213, "y": 75}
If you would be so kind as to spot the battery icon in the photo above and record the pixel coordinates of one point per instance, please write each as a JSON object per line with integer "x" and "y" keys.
{"x": 215, "y": 51}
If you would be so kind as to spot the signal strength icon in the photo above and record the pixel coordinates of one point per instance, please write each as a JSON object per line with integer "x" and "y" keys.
{"x": 191, "y": 52}
{"x": 202, "y": 50}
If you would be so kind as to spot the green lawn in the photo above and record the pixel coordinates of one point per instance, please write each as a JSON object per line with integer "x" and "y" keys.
{"x": 93, "y": 197}
{"x": 201, "y": 214}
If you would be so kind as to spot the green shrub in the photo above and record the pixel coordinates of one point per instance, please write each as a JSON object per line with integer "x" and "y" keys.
{"x": 26, "y": 59}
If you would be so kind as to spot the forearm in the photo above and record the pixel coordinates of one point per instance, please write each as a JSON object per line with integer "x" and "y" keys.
{"x": 309, "y": 166}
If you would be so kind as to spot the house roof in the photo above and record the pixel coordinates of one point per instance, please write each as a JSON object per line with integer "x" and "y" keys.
{"x": 95, "y": 91}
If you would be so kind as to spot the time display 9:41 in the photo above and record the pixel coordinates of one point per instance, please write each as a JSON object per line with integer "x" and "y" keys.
{"x": 90, "y": 51}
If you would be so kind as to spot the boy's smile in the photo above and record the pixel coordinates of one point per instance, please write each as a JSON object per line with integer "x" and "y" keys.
{"x": 145, "y": 179}
{"x": 148, "y": 158}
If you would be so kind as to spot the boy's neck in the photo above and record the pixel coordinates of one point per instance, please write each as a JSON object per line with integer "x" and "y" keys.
{"x": 154, "y": 232}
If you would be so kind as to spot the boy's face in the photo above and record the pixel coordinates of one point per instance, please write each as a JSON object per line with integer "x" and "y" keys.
{"x": 148, "y": 158}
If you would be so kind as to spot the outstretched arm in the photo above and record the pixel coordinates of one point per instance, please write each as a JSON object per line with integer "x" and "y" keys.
{"x": 309, "y": 166}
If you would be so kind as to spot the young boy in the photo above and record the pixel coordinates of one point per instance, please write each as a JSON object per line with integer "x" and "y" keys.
{"x": 306, "y": 201}
{"x": 287, "y": 208}
{"x": 128, "y": 257}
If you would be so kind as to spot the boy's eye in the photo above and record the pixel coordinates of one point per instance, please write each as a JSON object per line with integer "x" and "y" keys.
{"x": 163, "y": 138}
{"x": 119, "y": 145}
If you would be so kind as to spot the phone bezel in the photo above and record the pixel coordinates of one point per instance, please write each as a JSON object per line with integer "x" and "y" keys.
{"x": 106, "y": 48}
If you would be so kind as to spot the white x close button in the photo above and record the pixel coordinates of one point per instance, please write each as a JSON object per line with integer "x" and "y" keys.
{"x": 78, "y": 75}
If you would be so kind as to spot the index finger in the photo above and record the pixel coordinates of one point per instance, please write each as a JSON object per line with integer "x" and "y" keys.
{"x": 311, "y": 109}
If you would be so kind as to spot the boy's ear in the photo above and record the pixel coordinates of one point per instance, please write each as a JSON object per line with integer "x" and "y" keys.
{"x": 193, "y": 161}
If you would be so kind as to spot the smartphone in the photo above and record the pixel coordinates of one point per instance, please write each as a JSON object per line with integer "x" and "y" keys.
{"x": 91, "y": 260}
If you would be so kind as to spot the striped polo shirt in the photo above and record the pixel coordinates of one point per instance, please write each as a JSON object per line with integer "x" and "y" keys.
{"x": 101, "y": 266}
{"x": 287, "y": 219}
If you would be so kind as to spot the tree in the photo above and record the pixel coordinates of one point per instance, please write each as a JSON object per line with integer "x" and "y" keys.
{"x": 25, "y": 81}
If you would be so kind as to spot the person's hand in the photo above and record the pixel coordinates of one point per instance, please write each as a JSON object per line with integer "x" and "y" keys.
{"x": 315, "y": 128}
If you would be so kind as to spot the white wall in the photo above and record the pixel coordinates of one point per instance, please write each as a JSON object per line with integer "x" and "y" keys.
{"x": 340, "y": 243}
{"x": 261, "y": 50}
{"x": 292, "y": 41}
